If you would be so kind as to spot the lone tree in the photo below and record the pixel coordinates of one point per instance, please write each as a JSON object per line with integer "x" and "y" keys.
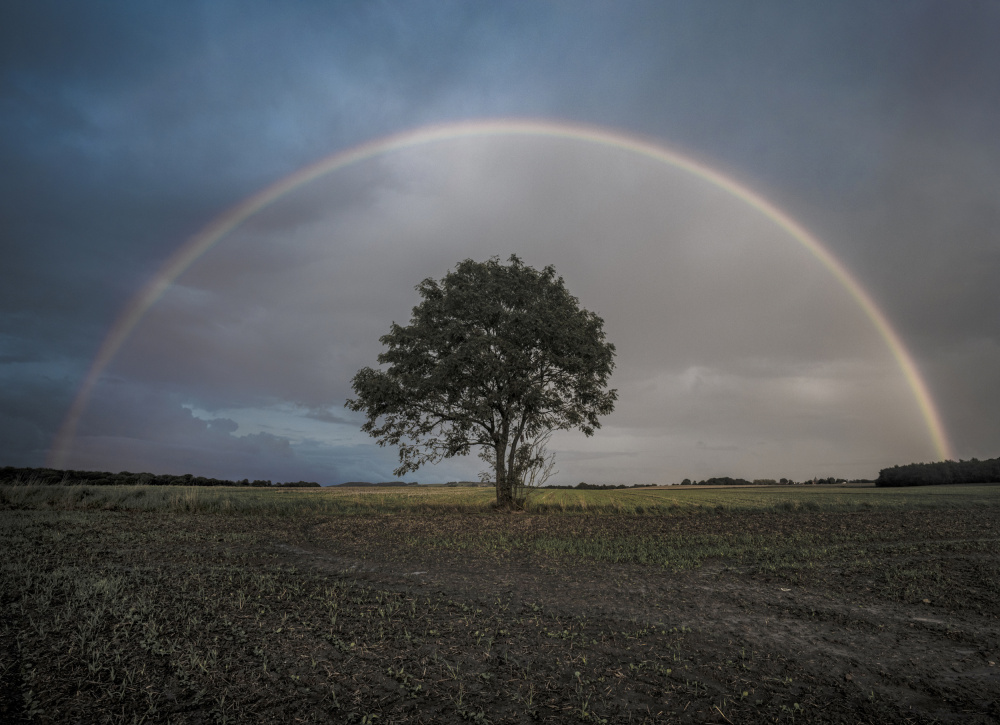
{"x": 496, "y": 356}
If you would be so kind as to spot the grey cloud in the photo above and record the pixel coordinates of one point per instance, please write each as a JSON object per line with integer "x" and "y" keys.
{"x": 31, "y": 408}
{"x": 967, "y": 384}
{"x": 146, "y": 428}
{"x": 223, "y": 425}
{"x": 327, "y": 417}
{"x": 722, "y": 321}
{"x": 126, "y": 128}
{"x": 701, "y": 445}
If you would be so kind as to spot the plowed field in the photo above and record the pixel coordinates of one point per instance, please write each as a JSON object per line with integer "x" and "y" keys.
{"x": 799, "y": 613}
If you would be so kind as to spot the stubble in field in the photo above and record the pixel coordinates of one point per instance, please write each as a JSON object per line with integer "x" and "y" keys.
{"x": 215, "y": 606}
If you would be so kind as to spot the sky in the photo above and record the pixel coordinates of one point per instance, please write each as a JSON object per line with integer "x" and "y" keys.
{"x": 128, "y": 128}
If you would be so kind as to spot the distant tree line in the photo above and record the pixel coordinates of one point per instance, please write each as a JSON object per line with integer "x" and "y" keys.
{"x": 930, "y": 474}
{"x": 55, "y": 477}
{"x": 727, "y": 481}
{"x": 718, "y": 481}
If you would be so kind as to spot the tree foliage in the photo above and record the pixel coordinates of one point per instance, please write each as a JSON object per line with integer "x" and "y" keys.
{"x": 942, "y": 472}
{"x": 496, "y": 355}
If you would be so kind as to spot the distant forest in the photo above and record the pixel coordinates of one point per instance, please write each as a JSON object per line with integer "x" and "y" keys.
{"x": 55, "y": 477}
{"x": 912, "y": 474}
{"x": 728, "y": 481}
{"x": 929, "y": 474}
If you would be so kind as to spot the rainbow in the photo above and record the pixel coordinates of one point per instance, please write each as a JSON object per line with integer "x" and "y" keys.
{"x": 195, "y": 247}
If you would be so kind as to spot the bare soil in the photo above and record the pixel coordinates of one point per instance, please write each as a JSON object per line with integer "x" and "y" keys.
{"x": 828, "y": 643}
{"x": 128, "y": 617}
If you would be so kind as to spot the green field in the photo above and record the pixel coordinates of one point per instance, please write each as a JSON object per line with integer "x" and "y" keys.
{"x": 199, "y": 605}
{"x": 440, "y": 499}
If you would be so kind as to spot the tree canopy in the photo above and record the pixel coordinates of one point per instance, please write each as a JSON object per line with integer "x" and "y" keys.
{"x": 496, "y": 356}
{"x": 941, "y": 472}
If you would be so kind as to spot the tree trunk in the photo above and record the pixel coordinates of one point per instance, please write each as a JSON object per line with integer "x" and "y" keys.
{"x": 505, "y": 491}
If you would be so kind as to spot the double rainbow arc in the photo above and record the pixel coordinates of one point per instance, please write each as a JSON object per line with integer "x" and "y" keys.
{"x": 195, "y": 247}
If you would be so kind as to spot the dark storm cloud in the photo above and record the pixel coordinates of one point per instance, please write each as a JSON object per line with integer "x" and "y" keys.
{"x": 141, "y": 427}
{"x": 34, "y": 395}
{"x": 124, "y": 127}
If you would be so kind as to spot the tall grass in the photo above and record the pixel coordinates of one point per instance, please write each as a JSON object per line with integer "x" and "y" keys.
{"x": 430, "y": 500}
{"x": 224, "y": 500}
